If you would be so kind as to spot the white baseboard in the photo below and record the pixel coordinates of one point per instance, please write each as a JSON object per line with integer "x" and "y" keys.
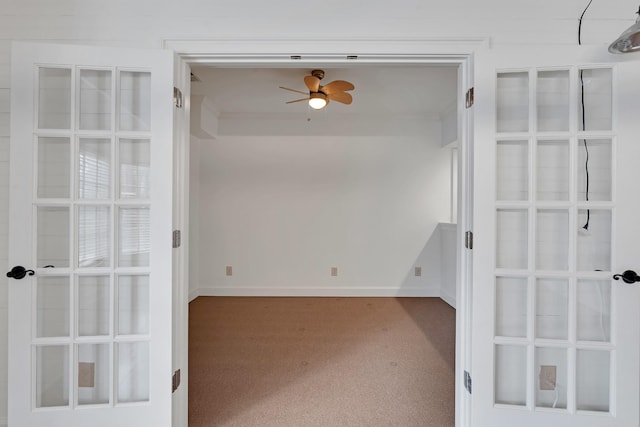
{"x": 451, "y": 300}
{"x": 314, "y": 292}
{"x": 192, "y": 295}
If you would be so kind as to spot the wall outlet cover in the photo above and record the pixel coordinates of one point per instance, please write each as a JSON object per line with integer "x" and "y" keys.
{"x": 548, "y": 377}
{"x": 86, "y": 374}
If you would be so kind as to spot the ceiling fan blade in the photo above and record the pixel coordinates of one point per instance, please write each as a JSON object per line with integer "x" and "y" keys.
{"x": 298, "y": 100}
{"x": 293, "y": 90}
{"x": 343, "y": 97}
{"x": 312, "y": 82}
{"x": 337, "y": 86}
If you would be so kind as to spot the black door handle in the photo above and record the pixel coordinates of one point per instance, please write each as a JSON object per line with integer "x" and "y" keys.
{"x": 628, "y": 276}
{"x": 18, "y": 272}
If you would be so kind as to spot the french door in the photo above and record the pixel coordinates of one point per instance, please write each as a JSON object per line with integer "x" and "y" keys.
{"x": 90, "y": 220}
{"x": 555, "y": 338}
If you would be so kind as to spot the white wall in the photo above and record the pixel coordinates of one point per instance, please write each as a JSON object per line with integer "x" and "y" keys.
{"x": 194, "y": 215}
{"x": 146, "y": 23}
{"x": 448, "y": 262}
{"x": 283, "y": 210}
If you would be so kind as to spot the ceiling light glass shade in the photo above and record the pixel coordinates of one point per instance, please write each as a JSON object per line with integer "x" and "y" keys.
{"x": 629, "y": 41}
{"x": 318, "y": 101}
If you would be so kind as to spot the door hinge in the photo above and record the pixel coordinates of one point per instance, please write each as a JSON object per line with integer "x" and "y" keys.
{"x": 469, "y": 98}
{"x": 177, "y": 97}
{"x": 468, "y": 240}
{"x": 175, "y": 381}
{"x": 467, "y": 381}
{"x": 177, "y": 238}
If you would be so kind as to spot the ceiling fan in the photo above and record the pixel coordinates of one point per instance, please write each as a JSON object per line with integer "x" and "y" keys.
{"x": 319, "y": 96}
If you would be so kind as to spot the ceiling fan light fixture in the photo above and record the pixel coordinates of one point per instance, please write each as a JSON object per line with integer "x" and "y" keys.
{"x": 629, "y": 40}
{"x": 317, "y": 100}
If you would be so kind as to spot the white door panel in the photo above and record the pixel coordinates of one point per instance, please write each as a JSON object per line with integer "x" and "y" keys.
{"x": 555, "y": 339}
{"x": 90, "y": 213}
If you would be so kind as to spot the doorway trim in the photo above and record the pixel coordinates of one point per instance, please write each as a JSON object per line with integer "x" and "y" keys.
{"x": 284, "y": 53}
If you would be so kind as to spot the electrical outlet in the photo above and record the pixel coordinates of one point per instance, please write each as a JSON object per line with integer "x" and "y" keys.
{"x": 334, "y": 271}
{"x": 86, "y": 374}
{"x": 547, "y": 377}
{"x": 229, "y": 270}
{"x": 417, "y": 271}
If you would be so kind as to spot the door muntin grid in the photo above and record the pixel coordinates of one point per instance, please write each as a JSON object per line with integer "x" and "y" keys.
{"x": 554, "y": 254}
{"x": 91, "y": 335}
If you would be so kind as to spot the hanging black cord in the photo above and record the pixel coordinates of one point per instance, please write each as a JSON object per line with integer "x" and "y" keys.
{"x": 580, "y": 22}
{"x": 586, "y": 148}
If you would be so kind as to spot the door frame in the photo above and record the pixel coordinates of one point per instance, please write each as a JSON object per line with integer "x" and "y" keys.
{"x": 352, "y": 53}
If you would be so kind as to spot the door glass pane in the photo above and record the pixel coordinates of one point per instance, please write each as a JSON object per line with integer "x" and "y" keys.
{"x": 133, "y": 372}
{"x": 594, "y": 161}
{"x": 594, "y": 240}
{"x": 135, "y": 101}
{"x": 133, "y": 305}
{"x": 552, "y": 170}
{"x": 552, "y": 306}
{"x": 551, "y": 378}
{"x": 53, "y": 236}
{"x": 95, "y": 99}
{"x": 134, "y": 237}
{"x": 511, "y": 374}
{"x": 135, "y": 164}
{"x": 512, "y": 102}
{"x": 90, "y": 321}
{"x": 512, "y": 238}
{"x": 52, "y": 296}
{"x": 94, "y": 236}
{"x": 52, "y": 376}
{"x": 94, "y": 374}
{"x": 54, "y": 100}
{"x": 513, "y": 170}
{"x": 94, "y": 168}
{"x": 93, "y": 305}
{"x": 511, "y": 307}
{"x": 592, "y": 380}
{"x": 552, "y": 239}
{"x": 54, "y": 166}
{"x": 596, "y": 87}
{"x": 553, "y": 101}
{"x": 594, "y": 310}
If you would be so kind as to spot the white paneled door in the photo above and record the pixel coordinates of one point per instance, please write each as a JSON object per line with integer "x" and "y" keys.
{"x": 556, "y": 146}
{"x": 90, "y": 220}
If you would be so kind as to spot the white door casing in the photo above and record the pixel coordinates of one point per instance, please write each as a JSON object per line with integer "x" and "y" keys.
{"x": 91, "y": 194}
{"x": 260, "y": 53}
{"x": 555, "y": 339}
{"x": 182, "y": 108}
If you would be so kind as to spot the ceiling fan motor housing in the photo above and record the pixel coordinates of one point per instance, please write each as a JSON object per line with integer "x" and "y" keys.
{"x": 318, "y": 73}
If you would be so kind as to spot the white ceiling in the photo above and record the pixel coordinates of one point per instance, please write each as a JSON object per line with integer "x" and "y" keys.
{"x": 416, "y": 90}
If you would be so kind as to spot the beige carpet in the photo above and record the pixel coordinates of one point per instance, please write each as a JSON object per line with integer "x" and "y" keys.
{"x": 321, "y": 362}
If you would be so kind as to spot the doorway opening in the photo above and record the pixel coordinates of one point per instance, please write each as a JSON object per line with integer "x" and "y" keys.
{"x": 424, "y": 53}
{"x": 353, "y": 200}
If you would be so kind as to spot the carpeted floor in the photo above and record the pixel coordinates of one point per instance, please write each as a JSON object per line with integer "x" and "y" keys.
{"x": 321, "y": 362}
